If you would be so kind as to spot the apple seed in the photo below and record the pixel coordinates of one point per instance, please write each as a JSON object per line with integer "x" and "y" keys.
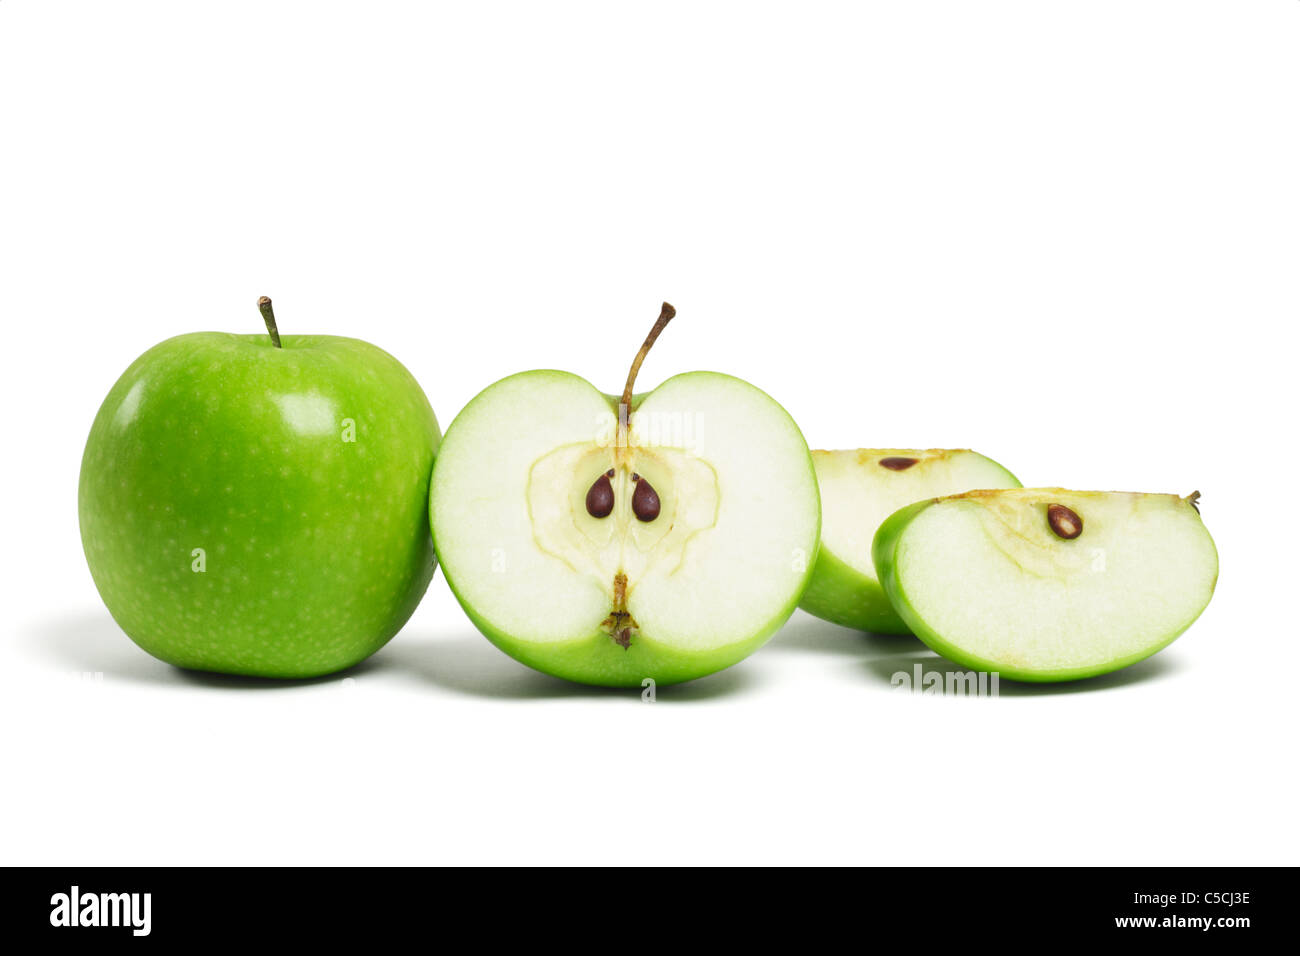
{"x": 1064, "y": 522}
{"x": 645, "y": 500}
{"x": 898, "y": 464}
{"x": 600, "y": 496}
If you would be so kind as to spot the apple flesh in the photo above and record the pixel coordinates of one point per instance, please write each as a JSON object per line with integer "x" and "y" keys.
{"x": 260, "y": 510}
{"x": 1044, "y": 584}
{"x": 860, "y": 488}
{"x": 542, "y": 515}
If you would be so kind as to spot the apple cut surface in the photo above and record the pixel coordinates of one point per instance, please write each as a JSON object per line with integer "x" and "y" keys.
{"x": 860, "y": 488}
{"x": 1044, "y": 584}
{"x": 617, "y": 599}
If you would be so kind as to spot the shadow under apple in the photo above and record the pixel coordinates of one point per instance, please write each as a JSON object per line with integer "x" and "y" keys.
{"x": 92, "y": 643}
{"x": 804, "y": 633}
{"x": 470, "y": 664}
{"x": 1152, "y": 669}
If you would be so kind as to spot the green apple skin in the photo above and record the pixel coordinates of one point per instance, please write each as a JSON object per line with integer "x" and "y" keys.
{"x": 595, "y": 660}
{"x": 315, "y": 544}
{"x": 842, "y": 595}
{"x": 884, "y": 548}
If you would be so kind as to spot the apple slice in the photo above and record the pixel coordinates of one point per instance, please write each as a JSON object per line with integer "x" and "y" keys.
{"x": 609, "y": 541}
{"x": 1044, "y": 584}
{"x": 860, "y": 489}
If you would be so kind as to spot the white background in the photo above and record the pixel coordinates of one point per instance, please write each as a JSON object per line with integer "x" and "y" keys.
{"x": 1064, "y": 234}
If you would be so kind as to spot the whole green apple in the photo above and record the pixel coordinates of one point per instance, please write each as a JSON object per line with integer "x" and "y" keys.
{"x": 257, "y": 505}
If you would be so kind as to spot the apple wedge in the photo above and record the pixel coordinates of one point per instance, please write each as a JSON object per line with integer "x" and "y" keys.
{"x": 860, "y": 488}
{"x": 1044, "y": 584}
{"x": 656, "y": 537}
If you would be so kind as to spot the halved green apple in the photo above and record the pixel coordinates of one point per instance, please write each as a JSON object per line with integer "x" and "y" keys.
{"x": 1044, "y": 584}
{"x": 612, "y": 540}
{"x": 860, "y": 488}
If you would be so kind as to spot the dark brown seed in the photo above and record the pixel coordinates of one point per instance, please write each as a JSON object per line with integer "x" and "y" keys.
{"x": 645, "y": 500}
{"x": 600, "y": 496}
{"x": 898, "y": 464}
{"x": 1064, "y": 522}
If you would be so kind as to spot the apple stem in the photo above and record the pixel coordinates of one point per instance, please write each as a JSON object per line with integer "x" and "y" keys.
{"x": 665, "y": 316}
{"x": 268, "y": 316}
